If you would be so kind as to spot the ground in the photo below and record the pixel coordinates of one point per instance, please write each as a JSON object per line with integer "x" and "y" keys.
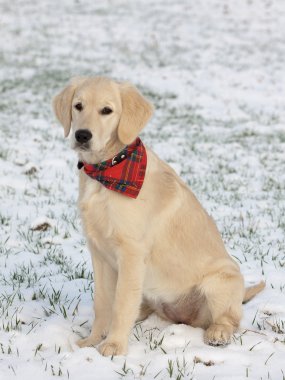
{"x": 214, "y": 70}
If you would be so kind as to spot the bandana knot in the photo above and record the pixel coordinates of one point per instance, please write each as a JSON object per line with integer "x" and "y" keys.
{"x": 124, "y": 173}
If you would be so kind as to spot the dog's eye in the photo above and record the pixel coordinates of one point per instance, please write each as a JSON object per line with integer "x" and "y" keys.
{"x": 78, "y": 106}
{"x": 106, "y": 111}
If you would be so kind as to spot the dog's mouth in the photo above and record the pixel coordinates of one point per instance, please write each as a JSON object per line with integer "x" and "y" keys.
{"x": 85, "y": 147}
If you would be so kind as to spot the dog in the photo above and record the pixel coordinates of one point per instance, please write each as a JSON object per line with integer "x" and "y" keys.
{"x": 153, "y": 246}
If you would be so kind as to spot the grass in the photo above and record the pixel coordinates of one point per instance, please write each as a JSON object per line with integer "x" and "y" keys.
{"x": 219, "y": 117}
{"x": 36, "y": 263}
{"x": 38, "y": 269}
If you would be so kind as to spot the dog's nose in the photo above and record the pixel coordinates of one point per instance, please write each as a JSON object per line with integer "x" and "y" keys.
{"x": 83, "y": 136}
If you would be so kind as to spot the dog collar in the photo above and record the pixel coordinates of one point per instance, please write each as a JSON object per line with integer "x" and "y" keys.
{"x": 124, "y": 173}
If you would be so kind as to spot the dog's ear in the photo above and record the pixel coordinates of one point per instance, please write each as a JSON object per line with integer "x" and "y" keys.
{"x": 62, "y": 104}
{"x": 136, "y": 112}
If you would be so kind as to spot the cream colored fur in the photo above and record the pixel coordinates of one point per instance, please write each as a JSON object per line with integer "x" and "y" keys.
{"x": 160, "y": 252}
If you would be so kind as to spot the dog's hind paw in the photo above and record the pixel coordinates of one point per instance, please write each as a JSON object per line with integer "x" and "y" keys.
{"x": 218, "y": 335}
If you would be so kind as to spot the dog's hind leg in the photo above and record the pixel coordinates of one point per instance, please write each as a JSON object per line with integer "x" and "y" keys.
{"x": 224, "y": 291}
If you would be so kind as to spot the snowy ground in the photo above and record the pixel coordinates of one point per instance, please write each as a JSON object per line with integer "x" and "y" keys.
{"x": 214, "y": 70}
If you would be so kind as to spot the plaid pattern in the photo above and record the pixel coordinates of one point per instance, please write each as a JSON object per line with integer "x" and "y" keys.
{"x": 124, "y": 173}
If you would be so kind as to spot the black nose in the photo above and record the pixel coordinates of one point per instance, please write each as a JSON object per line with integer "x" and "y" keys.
{"x": 83, "y": 135}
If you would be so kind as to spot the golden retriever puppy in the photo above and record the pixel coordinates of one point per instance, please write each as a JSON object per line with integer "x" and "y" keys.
{"x": 153, "y": 246}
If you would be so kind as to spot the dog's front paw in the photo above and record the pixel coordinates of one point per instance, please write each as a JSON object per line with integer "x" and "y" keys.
{"x": 218, "y": 335}
{"x": 90, "y": 341}
{"x": 111, "y": 348}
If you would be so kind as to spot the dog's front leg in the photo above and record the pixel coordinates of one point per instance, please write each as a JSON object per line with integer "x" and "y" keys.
{"x": 105, "y": 279}
{"x": 128, "y": 297}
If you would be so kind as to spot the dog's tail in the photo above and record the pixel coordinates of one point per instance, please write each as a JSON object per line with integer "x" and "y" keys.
{"x": 251, "y": 291}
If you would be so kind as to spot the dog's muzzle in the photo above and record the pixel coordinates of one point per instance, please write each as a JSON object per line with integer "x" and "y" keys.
{"x": 82, "y": 136}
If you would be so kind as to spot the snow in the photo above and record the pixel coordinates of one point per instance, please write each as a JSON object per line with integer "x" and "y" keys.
{"x": 214, "y": 70}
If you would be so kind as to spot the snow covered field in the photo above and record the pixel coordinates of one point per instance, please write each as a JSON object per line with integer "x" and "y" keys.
{"x": 214, "y": 70}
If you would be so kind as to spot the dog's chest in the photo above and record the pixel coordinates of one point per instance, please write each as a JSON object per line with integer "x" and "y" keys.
{"x": 96, "y": 213}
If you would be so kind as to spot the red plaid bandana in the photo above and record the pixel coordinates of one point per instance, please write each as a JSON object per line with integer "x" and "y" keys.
{"x": 123, "y": 173}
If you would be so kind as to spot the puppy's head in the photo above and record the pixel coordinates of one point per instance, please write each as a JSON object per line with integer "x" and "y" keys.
{"x": 101, "y": 115}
